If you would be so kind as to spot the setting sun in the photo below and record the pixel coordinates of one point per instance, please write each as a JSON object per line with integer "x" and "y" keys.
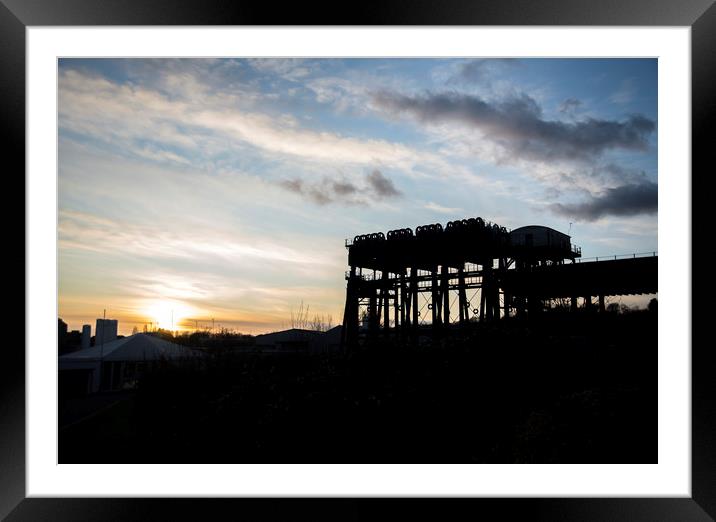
{"x": 168, "y": 314}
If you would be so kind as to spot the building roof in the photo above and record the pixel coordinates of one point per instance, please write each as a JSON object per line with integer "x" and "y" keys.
{"x": 291, "y": 335}
{"x": 137, "y": 347}
{"x": 334, "y": 334}
{"x": 536, "y": 227}
{"x": 293, "y": 331}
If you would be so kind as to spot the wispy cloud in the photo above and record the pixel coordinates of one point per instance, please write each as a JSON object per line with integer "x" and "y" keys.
{"x": 81, "y": 231}
{"x": 481, "y": 71}
{"x": 626, "y": 92}
{"x": 570, "y": 106}
{"x": 201, "y": 124}
{"x": 441, "y": 209}
{"x": 293, "y": 69}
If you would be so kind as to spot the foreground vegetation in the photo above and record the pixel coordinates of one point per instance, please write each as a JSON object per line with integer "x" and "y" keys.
{"x": 579, "y": 388}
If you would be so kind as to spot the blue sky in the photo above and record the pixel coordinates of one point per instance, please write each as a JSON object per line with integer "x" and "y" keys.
{"x": 224, "y": 188}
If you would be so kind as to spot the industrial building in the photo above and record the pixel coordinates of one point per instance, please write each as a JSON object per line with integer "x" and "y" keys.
{"x": 540, "y": 243}
{"x": 472, "y": 270}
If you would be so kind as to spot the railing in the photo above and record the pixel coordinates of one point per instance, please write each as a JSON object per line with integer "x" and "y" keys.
{"x": 614, "y": 258}
{"x": 370, "y": 277}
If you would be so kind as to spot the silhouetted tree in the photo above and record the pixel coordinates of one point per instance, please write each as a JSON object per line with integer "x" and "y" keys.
{"x": 301, "y": 320}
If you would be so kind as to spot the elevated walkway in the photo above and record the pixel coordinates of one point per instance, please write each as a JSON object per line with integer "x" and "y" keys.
{"x": 599, "y": 276}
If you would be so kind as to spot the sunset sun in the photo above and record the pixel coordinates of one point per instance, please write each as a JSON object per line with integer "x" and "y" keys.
{"x": 166, "y": 314}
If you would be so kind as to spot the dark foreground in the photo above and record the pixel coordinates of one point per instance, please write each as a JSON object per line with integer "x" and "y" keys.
{"x": 567, "y": 390}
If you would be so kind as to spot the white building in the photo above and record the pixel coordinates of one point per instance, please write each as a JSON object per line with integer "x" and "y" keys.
{"x": 116, "y": 364}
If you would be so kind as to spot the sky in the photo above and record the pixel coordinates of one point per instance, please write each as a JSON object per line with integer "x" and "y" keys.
{"x": 192, "y": 190}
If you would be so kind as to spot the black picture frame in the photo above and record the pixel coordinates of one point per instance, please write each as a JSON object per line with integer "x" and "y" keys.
{"x": 700, "y": 15}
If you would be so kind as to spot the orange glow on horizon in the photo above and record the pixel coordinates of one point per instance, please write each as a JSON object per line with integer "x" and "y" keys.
{"x": 168, "y": 315}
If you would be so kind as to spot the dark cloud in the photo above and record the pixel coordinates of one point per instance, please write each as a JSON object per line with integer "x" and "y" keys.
{"x": 377, "y": 186}
{"x": 382, "y": 187}
{"x": 293, "y": 185}
{"x": 344, "y": 188}
{"x": 602, "y": 175}
{"x": 313, "y": 192}
{"x": 517, "y": 124}
{"x": 625, "y": 200}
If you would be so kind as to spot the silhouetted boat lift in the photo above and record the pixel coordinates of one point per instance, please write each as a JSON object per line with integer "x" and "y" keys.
{"x": 473, "y": 270}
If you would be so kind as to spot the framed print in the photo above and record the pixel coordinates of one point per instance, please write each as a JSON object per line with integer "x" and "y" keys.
{"x": 492, "y": 326}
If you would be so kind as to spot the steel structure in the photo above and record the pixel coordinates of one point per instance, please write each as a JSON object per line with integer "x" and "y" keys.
{"x": 437, "y": 278}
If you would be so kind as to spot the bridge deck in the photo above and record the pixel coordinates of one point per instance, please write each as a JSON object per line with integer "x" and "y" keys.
{"x": 614, "y": 277}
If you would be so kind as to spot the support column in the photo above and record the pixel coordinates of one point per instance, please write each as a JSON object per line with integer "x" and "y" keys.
{"x": 601, "y": 303}
{"x": 488, "y": 292}
{"x": 522, "y": 307}
{"x": 386, "y": 302}
{"x": 484, "y": 292}
{"x": 588, "y": 302}
{"x": 505, "y": 295}
{"x": 372, "y": 312}
{"x": 408, "y": 303}
{"x": 379, "y": 309}
{"x": 462, "y": 297}
{"x": 414, "y": 296}
{"x": 349, "y": 333}
{"x": 396, "y": 309}
{"x": 533, "y": 306}
{"x": 446, "y": 295}
{"x": 435, "y": 299}
{"x": 403, "y": 301}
